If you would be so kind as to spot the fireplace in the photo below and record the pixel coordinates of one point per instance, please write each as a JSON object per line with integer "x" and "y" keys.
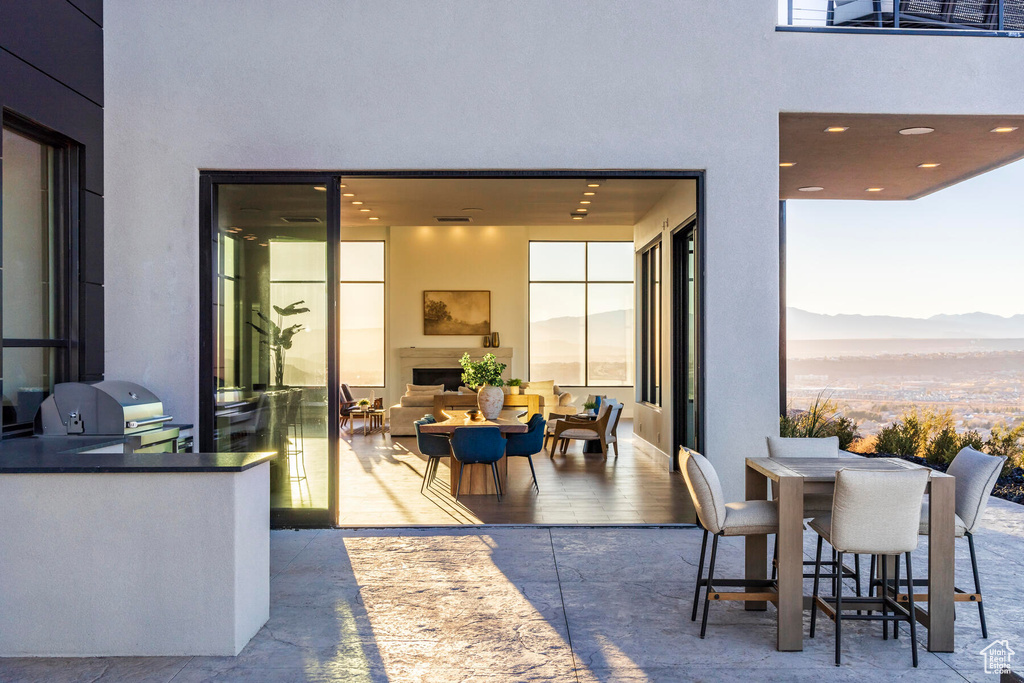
{"x": 450, "y": 377}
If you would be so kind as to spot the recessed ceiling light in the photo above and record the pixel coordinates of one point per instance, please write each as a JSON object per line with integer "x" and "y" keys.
{"x": 374, "y": 218}
{"x": 321, "y": 188}
{"x": 917, "y": 130}
{"x": 589, "y": 194}
{"x": 929, "y": 165}
{"x": 356, "y": 203}
{"x": 1003, "y": 129}
{"x": 577, "y": 218}
{"x": 837, "y": 129}
{"x": 593, "y": 184}
{"x": 811, "y": 188}
{"x": 581, "y": 210}
{"x": 263, "y": 244}
{"x": 348, "y": 194}
{"x": 787, "y": 164}
{"x": 365, "y": 210}
{"x": 472, "y": 208}
{"x": 584, "y": 201}
{"x": 342, "y": 185}
{"x": 874, "y": 189}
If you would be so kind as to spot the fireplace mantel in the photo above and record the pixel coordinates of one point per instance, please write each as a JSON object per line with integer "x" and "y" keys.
{"x": 442, "y": 357}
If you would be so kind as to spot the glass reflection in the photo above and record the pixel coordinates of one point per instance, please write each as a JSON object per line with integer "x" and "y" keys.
{"x": 271, "y": 334}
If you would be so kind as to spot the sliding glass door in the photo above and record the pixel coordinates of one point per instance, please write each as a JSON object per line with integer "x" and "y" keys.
{"x": 270, "y": 352}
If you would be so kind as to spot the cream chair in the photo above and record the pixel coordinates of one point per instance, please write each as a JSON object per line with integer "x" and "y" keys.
{"x": 749, "y": 518}
{"x": 603, "y": 429}
{"x": 855, "y": 526}
{"x": 976, "y": 474}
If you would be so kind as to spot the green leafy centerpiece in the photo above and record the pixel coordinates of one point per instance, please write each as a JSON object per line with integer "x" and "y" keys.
{"x": 485, "y": 376}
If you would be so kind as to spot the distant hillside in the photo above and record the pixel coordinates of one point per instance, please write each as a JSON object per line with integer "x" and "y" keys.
{"x": 805, "y": 325}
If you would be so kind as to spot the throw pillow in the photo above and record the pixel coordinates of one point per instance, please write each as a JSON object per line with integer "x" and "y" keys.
{"x": 423, "y": 388}
{"x": 545, "y": 388}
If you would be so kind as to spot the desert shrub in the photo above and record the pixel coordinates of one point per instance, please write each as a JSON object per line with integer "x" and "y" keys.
{"x": 944, "y": 446}
{"x": 1008, "y": 442}
{"x": 821, "y": 419}
{"x": 901, "y": 437}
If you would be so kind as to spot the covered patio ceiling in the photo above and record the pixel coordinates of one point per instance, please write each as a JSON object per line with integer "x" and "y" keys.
{"x": 865, "y": 156}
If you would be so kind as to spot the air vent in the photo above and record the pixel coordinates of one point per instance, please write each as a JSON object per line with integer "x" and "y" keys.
{"x": 453, "y": 219}
{"x": 301, "y": 219}
{"x": 578, "y": 215}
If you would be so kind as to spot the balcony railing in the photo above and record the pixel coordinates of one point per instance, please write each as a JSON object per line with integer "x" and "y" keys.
{"x": 952, "y": 15}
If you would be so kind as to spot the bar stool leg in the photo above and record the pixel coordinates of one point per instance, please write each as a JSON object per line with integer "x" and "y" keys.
{"x": 839, "y": 616}
{"x": 814, "y": 593}
{"x": 913, "y": 612}
{"x": 707, "y": 588}
{"x": 700, "y": 575}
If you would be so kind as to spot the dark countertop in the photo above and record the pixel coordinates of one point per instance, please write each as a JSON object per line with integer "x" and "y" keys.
{"x": 98, "y": 463}
{"x": 63, "y": 454}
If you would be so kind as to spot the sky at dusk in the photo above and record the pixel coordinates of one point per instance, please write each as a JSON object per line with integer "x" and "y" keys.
{"x": 959, "y": 250}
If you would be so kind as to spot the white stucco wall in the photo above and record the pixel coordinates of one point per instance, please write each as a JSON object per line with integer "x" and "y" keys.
{"x": 456, "y": 84}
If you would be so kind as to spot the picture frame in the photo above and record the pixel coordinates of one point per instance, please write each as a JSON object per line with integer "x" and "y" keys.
{"x": 456, "y": 312}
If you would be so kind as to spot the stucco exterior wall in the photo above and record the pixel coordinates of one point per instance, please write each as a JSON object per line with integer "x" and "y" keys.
{"x": 457, "y": 84}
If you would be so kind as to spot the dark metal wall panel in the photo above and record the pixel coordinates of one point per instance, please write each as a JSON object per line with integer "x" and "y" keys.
{"x": 55, "y": 37}
{"x": 38, "y": 97}
{"x": 91, "y": 335}
{"x": 91, "y": 8}
{"x": 90, "y": 237}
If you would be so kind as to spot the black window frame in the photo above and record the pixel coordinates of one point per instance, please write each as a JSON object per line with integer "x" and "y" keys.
{"x": 586, "y": 282}
{"x": 650, "y": 351}
{"x": 65, "y": 246}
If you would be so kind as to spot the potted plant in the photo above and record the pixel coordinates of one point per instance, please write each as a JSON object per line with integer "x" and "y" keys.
{"x": 363, "y": 403}
{"x": 485, "y": 374}
{"x": 279, "y": 338}
{"x": 589, "y": 407}
{"x": 513, "y": 386}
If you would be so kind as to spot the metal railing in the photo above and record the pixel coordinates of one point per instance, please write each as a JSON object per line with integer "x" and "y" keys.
{"x": 952, "y": 15}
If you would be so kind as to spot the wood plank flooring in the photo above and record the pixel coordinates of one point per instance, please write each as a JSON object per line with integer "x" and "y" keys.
{"x": 381, "y": 477}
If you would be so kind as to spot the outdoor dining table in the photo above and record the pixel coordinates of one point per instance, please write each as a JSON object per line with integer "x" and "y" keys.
{"x": 792, "y": 478}
{"x": 479, "y": 479}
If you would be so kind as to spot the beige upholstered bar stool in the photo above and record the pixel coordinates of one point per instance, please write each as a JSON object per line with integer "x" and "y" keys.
{"x": 815, "y": 504}
{"x": 976, "y": 474}
{"x": 748, "y": 518}
{"x": 855, "y": 526}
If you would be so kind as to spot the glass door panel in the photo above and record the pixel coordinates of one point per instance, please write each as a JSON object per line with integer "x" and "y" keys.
{"x": 270, "y": 336}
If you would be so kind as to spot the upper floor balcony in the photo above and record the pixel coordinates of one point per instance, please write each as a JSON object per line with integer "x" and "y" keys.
{"x": 947, "y": 17}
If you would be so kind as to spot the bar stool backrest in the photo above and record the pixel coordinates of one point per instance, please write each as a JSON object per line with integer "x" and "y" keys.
{"x": 786, "y": 447}
{"x": 976, "y": 474}
{"x": 877, "y": 512}
{"x": 705, "y": 489}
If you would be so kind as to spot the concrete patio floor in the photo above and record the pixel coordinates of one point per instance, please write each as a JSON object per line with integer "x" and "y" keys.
{"x": 569, "y": 604}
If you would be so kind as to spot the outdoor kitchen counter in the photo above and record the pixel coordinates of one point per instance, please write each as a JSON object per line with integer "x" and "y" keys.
{"x": 131, "y": 554}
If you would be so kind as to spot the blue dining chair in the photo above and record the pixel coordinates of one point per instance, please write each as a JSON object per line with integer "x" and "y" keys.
{"x": 434, "y": 446}
{"x": 528, "y": 443}
{"x": 478, "y": 446}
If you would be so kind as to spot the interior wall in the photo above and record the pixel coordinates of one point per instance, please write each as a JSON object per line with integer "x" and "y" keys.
{"x": 653, "y": 424}
{"x": 496, "y": 259}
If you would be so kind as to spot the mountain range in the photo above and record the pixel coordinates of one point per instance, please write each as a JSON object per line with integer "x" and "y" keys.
{"x": 806, "y": 325}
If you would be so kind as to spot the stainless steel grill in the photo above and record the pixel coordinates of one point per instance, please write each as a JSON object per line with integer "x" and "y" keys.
{"x": 110, "y": 408}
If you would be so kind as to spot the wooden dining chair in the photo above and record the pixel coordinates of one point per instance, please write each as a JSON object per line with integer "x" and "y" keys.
{"x": 602, "y": 429}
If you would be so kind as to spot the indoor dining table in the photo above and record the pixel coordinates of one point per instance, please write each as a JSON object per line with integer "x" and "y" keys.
{"x": 480, "y": 480}
{"x": 792, "y": 478}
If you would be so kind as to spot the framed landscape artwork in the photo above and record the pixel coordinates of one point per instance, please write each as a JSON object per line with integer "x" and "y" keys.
{"x": 456, "y": 312}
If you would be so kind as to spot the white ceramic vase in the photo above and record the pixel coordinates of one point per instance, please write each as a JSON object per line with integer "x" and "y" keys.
{"x": 490, "y": 400}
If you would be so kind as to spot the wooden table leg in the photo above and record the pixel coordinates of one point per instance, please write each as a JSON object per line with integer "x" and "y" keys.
{"x": 756, "y": 547}
{"x": 478, "y": 479}
{"x": 941, "y": 565}
{"x": 791, "y": 564}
